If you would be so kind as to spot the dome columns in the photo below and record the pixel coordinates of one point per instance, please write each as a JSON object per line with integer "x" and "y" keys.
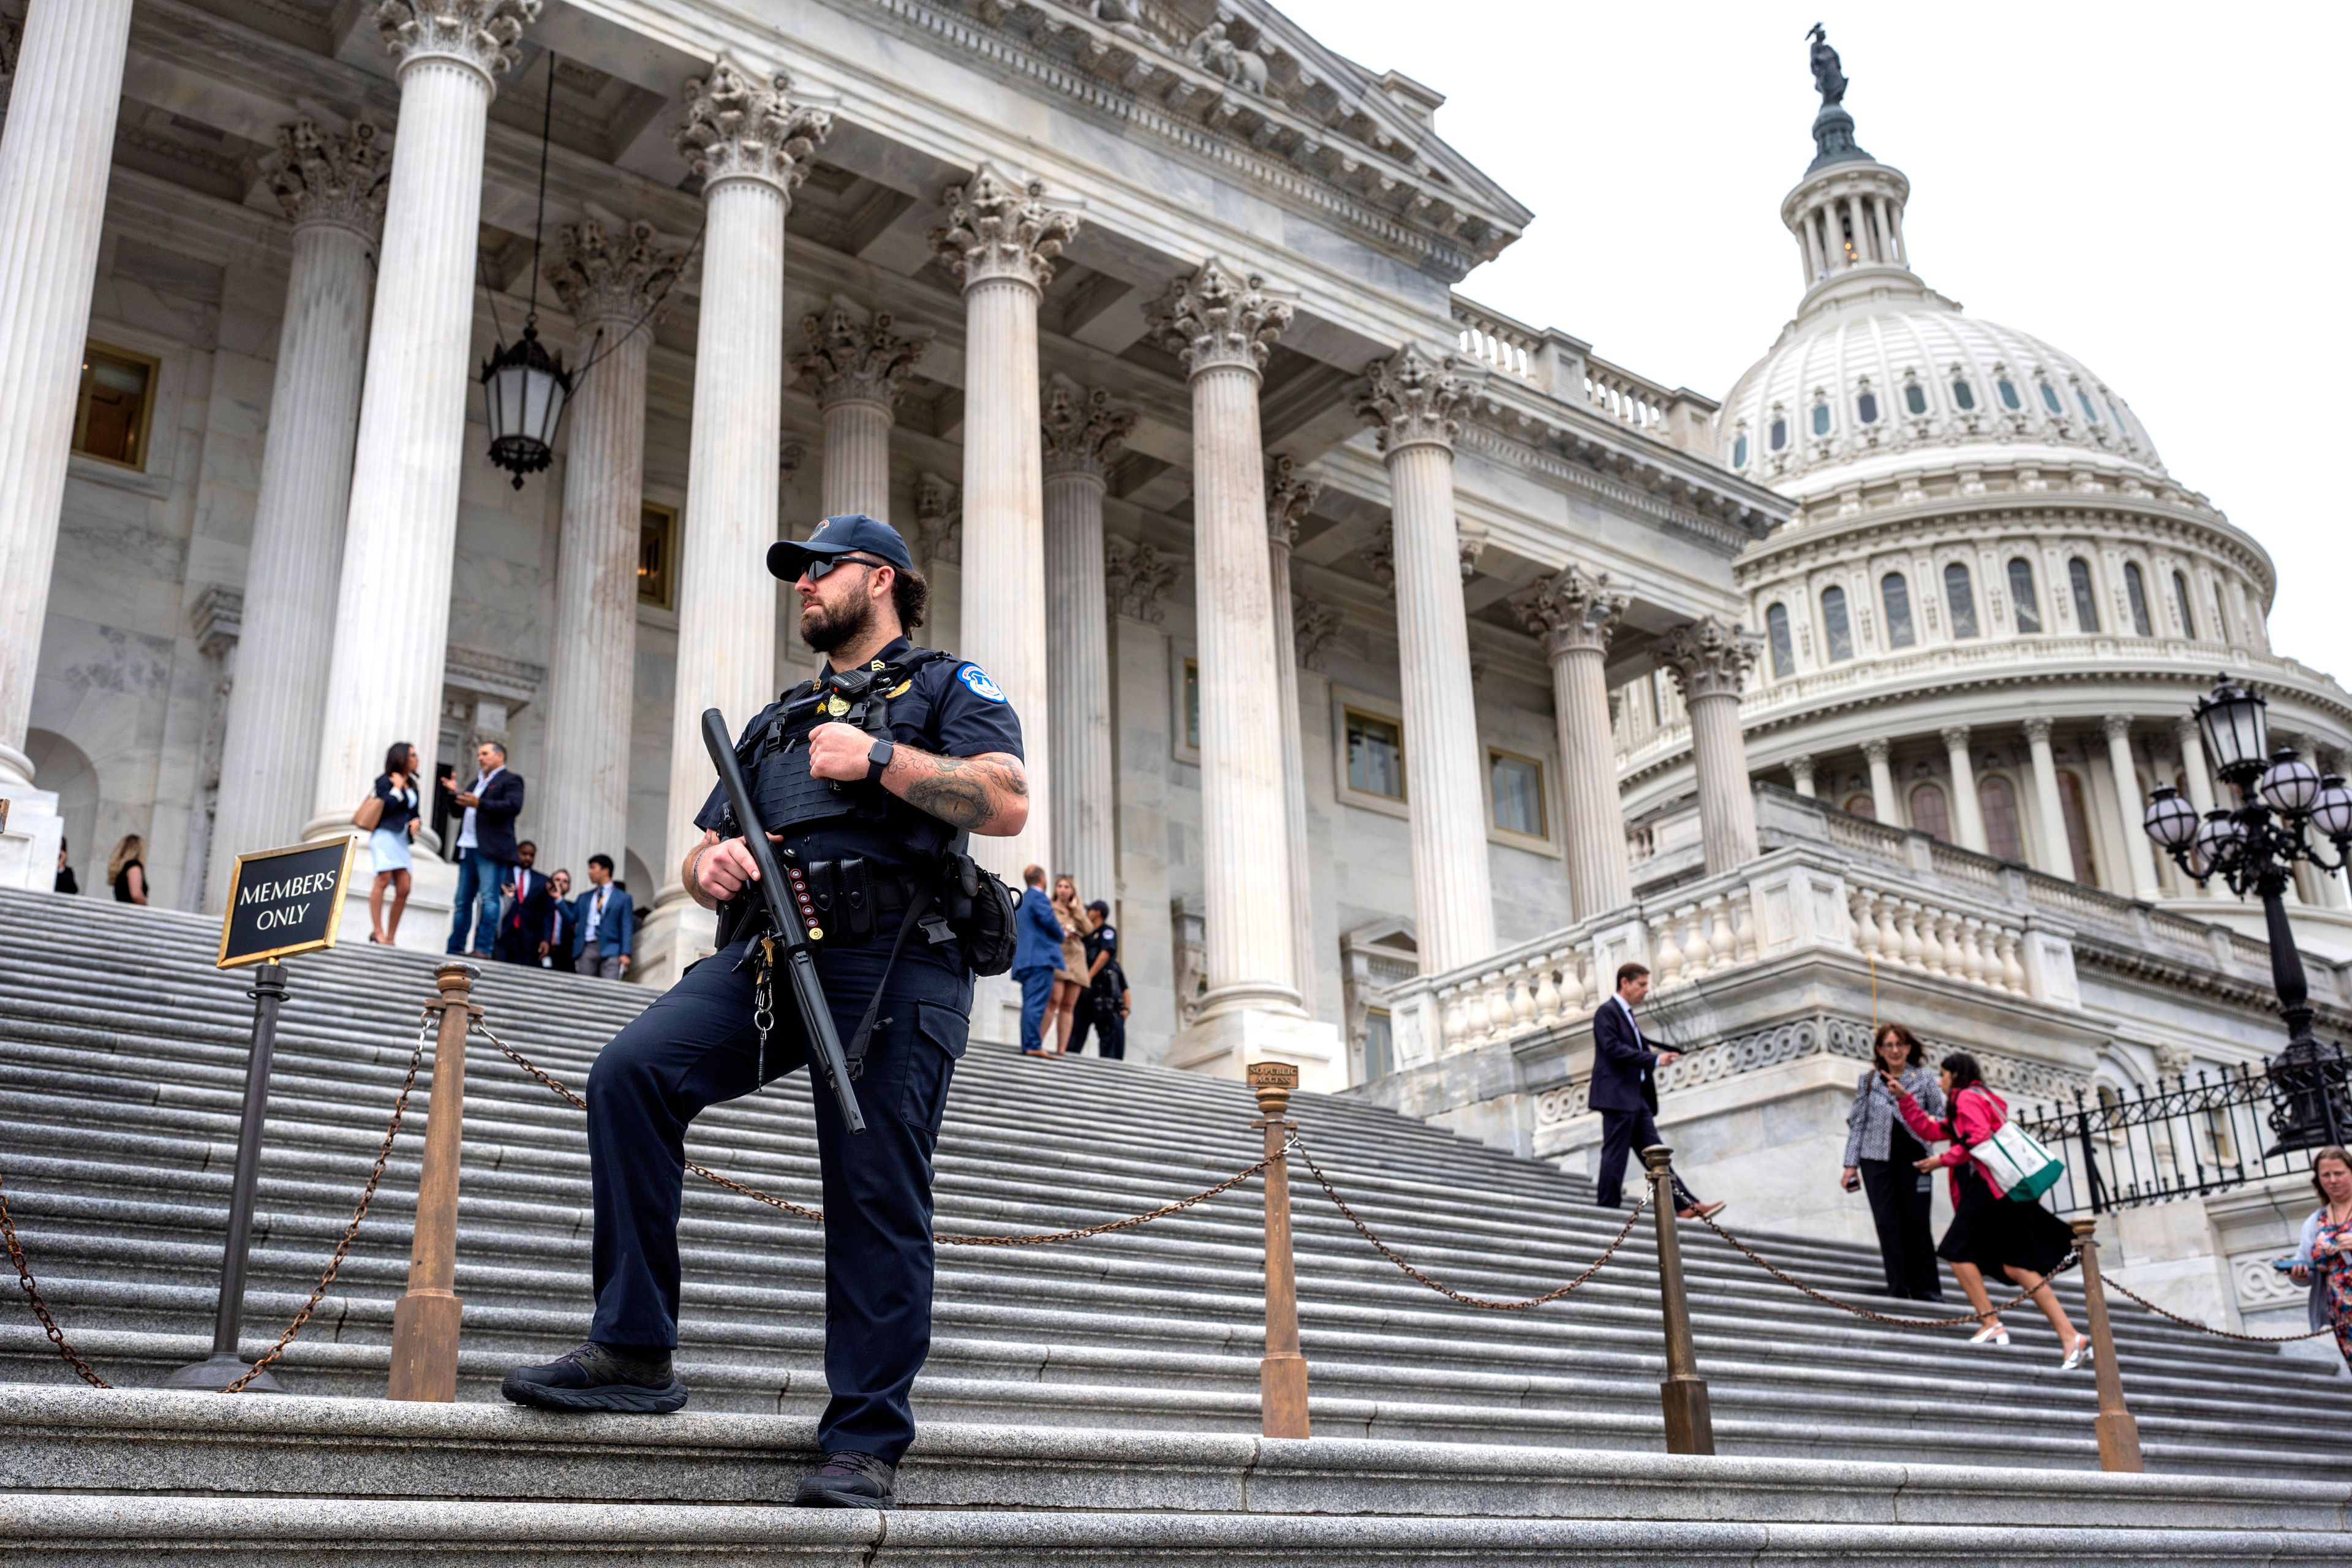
{"x": 1968, "y": 812}
{"x": 1848, "y": 216}
{"x": 2138, "y": 855}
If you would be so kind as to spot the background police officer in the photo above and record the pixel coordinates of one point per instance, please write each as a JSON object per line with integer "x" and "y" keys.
{"x": 952, "y": 762}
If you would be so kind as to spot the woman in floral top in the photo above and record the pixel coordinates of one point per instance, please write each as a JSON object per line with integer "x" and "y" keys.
{"x": 2324, "y": 1260}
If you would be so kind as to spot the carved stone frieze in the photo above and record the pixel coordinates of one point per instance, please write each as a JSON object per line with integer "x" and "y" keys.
{"x": 1411, "y": 401}
{"x": 1084, "y": 430}
{"x": 939, "y": 521}
{"x": 1314, "y": 624}
{"x": 479, "y": 33}
{"x": 604, "y": 276}
{"x": 1379, "y": 556}
{"x": 743, "y": 126}
{"x": 1140, "y": 575}
{"x": 1288, "y": 498}
{"x": 1218, "y": 317}
{"x": 997, "y": 227}
{"x": 855, "y": 360}
{"x": 1214, "y": 51}
{"x": 321, "y": 177}
{"x": 1572, "y": 609}
{"x": 1709, "y": 657}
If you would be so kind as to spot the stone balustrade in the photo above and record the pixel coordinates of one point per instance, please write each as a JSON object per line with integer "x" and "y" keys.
{"x": 1894, "y": 926}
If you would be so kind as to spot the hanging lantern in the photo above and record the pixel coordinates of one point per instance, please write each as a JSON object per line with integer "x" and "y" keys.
{"x": 524, "y": 389}
{"x": 2170, "y": 820}
{"x": 2237, "y": 729}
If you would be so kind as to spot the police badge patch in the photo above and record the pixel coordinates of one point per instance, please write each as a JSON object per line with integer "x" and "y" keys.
{"x": 971, "y": 675}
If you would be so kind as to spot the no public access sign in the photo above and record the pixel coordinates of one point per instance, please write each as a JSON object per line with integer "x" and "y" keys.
{"x": 285, "y": 900}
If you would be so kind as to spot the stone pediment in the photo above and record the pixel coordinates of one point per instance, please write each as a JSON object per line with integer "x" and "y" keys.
{"x": 1245, "y": 73}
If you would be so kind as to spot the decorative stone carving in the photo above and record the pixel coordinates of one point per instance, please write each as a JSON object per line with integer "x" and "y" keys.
{"x": 1469, "y": 546}
{"x": 789, "y": 456}
{"x": 1411, "y": 401}
{"x": 1140, "y": 576}
{"x": 739, "y": 126}
{"x": 1124, "y": 17}
{"x": 604, "y": 276}
{"x": 479, "y": 33}
{"x": 938, "y": 526}
{"x": 2037, "y": 731}
{"x": 2172, "y": 1061}
{"x": 1710, "y": 658}
{"x": 1217, "y": 54}
{"x": 1877, "y": 750}
{"x": 1084, "y": 430}
{"x": 997, "y": 228}
{"x": 1288, "y": 498}
{"x": 847, "y": 359}
{"x": 1216, "y": 318}
{"x": 1379, "y": 555}
{"x": 321, "y": 177}
{"x": 1314, "y": 624}
{"x": 1572, "y": 609}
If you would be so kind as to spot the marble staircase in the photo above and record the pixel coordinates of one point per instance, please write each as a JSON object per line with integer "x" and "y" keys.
{"x": 1083, "y": 1401}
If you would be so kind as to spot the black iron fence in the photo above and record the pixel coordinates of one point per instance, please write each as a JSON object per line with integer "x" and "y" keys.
{"x": 2189, "y": 1136}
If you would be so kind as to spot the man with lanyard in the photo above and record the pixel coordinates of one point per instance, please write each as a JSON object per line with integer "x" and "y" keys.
{"x": 871, "y": 842}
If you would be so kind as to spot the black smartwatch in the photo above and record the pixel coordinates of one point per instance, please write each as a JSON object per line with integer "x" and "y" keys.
{"x": 878, "y": 759}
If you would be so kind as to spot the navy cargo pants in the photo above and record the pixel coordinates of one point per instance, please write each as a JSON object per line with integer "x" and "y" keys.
{"x": 697, "y": 1047}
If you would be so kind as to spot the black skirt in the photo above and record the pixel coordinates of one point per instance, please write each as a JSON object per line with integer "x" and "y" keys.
{"x": 1994, "y": 1232}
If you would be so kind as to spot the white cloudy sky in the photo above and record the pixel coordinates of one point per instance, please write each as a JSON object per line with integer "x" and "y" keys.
{"x": 2157, "y": 188}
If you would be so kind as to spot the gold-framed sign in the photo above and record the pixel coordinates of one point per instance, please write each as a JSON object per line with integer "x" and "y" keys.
{"x": 285, "y": 900}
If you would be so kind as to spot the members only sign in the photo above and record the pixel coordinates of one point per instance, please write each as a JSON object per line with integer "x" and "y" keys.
{"x": 285, "y": 900}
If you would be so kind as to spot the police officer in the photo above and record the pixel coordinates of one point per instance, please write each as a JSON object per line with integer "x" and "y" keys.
{"x": 868, "y": 816}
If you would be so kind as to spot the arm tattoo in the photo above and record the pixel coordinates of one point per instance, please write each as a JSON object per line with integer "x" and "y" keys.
{"x": 966, "y": 792}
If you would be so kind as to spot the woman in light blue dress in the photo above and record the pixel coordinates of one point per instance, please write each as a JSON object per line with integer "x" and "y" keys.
{"x": 394, "y": 830}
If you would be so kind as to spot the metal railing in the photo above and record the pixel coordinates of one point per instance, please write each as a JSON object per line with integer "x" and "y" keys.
{"x": 2189, "y": 1137}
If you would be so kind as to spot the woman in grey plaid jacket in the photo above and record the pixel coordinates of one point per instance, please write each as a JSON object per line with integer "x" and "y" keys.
{"x": 1881, "y": 1156}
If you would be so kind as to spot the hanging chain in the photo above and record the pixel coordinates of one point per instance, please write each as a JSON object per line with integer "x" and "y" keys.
{"x": 2073, "y": 1256}
{"x": 40, "y": 1308}
{"x": 1481, "y": 1302}
{"x": 2121, "y": 1289}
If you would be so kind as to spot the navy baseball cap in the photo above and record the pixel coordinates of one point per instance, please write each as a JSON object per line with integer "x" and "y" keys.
{"x": 850, "y": 533}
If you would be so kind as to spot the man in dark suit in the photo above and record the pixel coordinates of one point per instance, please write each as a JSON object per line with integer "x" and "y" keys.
{"x": 1626, "y": 1092}
{"x": 1036, "y": 956}
{"x": 486, "y": 847}
{"x": 605, "y": 920}
{"x": 529, "y": 910}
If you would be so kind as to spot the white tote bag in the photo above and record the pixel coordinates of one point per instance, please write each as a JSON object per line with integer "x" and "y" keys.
{"x": 2018, "y": 1163}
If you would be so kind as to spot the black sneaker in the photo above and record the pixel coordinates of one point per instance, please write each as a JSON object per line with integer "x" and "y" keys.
{"x": 599, "y": 1377}
{"x": 849, "y": 1479}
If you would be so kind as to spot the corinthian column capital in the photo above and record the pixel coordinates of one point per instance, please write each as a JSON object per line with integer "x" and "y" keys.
{"x": 1217, "y": 318}
{"x": 997, "y": 227}
{"x": 1710, "y": 658}
{"x": 320, "y": 177}
{"x": 604, "y": 276}
{"x": 850, "y": 360}
{"x": 739, "y": 126}
{"x": 477, "y": 33}
{"x": 1411, "y": 402}
{"x": 1084, "y": 430}
{"x": 1570, "y": 609}
{"x": 1288, "y": 498}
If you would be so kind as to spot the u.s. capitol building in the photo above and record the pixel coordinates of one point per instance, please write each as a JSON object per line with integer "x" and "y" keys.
{"x": 1397, "y": 669}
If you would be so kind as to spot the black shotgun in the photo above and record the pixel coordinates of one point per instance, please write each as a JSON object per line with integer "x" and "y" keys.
{"x": 799, "y": 965}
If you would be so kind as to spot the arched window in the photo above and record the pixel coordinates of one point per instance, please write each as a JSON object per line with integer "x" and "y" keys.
{"x": 2115, "y": 413}
{"x": 2021, "y": 594}
{"x": 1862, "y": 806}
{"x": 2049, "y": 399}
{"x": 2077, "y": 810}
{"x": 1915, "y": 399}
{"x": 1740, "y": 450}
{"x": 1929, "y": 813}
{"x": 1821, "y": 418}
{"x": 1837, "y": 631}
{"x": 2135, "y": 590}
{"x": 1779, "y": 432}
{"x": 1997, "y": 802}
{"x": 2180, "y": 603}
{"x": 2084, "y": 398}
{"x": 1775, "y": 633}
{"x": 2220, "y": 615}
{"x": 2008, "y": 390}
{"x": 2087, "y": 602}
{"x": 1865, "y": 408}
{"x": 1964, "y": 396}
{"x": 1960, "y": 598}
{"x": 1897, "y": 594}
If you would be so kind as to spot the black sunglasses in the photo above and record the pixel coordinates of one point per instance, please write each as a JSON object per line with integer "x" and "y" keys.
{"x": 821, "y": 567}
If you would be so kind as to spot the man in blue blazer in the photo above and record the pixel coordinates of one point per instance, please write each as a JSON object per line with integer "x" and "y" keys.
{"x": 603, "y": 923}
{"x": 486, "y": 849}
{"x": 1036, "y": 957}
{"x": 1625, "y": 1091}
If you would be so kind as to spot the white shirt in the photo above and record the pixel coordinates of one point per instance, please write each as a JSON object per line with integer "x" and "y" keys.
{"x": 466, "y": 828}
{"x": 1619, "y": 998}
{"x": 595, "y": 914}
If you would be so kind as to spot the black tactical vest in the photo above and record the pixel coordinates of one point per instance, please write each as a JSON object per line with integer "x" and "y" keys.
{"x": 794, "y": 802}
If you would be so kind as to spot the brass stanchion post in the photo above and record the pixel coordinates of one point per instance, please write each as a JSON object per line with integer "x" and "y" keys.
{"x": 2118, "y": 1431}
{"x": 1690, "y": 1429}
{"x": 1282, "y": 1375}
{"x": 424, "y": 1322}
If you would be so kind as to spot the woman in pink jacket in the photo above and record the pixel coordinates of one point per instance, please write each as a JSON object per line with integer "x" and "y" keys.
{"x": 2023, "y": 1240}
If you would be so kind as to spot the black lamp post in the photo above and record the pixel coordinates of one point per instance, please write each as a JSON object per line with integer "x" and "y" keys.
{"x": 2283, "y": 803}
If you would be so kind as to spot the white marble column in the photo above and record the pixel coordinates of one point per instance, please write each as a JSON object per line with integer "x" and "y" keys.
{"x": 611, "y": 282}
{"x": 1801, "y": 768}
{"x": 1574, "y": 615}
{"x": 1412, "y": 404}
{"x": 392, "y": 609}
{"x": 1000, "y": 240}
{"x": 1883, "y": 799}
{"x": 1710, "y": 661}
{"x": 1218, "y": 323}
{"x": 1081, "y": 432}
{"x": 54, "y": 159}
{"x": 332, "y": 189}
{"x": 1288, "y": 498}
{"x": 1968, "y": 812}
{"x": 2057, "y": 851}
{"x": 752, "y": 145}
{"x": 2139, "y": 855}
{"x": 854, "y": 368}
{"x": 2194, "y": 767}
